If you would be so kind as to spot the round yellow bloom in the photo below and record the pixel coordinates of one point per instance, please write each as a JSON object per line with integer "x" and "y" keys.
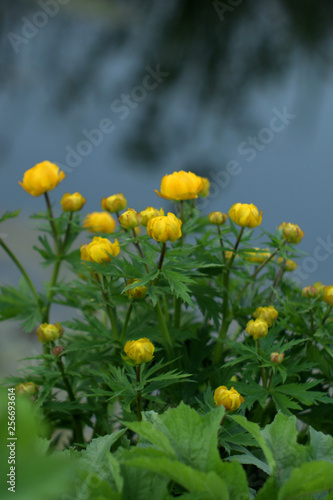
{"x": 165, "y": 228}
{"x": 130, "y": 219}
{"x": 139, "y": 351}
{"x": 230, "y": 399}
{"x": 139, "y": 292}
{"x": 289, "y": 265}
{"x": 180, "y": 186}
{"x": 100, "y": 222}
{"x": 328, "y": 295}
{"x": 27, "y": 388}
{"x": 269, "y": 314}
{"x": 291, "y": 232}
{"x": 100, "y": 250}
{"x": 258, "y": 256}
{"x": 48, "y": 333}
{"x": 277, "y": 357}
{"x": 318, "y": 286}
{"x": 257, "y": 328}
{"x": 114, "y": 203}
{"x": 204, "y": 192}
{"x": 217, "y": 218}
{"x": 72, "y": 202}
{"x": 150, "y": 213}
{"x": 42, "y": 177}
{"x": 245, "y": 215}
{"x": 309, "y": 292}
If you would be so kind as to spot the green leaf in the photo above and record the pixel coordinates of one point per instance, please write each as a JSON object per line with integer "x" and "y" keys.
{"x": 268, "y": 491}
{"x": 150, "y": 433}
{"x": 308, "y": 479}
{"x": 321, "y": 446}
{"x": 254, "y": 430}
{"x": 177, "y": 282}
{"x": 143, "y": 484}
{"x": 193, "y": 480}
{"x": 9, "y": 215}
{"x": 281, "y": 437}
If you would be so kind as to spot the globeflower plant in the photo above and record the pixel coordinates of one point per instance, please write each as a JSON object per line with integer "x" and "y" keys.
{"x": 173, "y": 357}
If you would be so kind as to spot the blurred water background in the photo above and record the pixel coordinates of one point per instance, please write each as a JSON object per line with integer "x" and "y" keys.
{"x": 120, "y": 93}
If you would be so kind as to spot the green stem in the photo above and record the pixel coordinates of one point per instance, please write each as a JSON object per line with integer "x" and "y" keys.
{"x": 128, "y": 315}
{"x": 221, "y": 243}
{"x": 21, "y": 268}
{"x": 258, "y": 270}
{"x": 51, "y": 220}
{"x": 311, "y": 322}
{"x": 178, "y": 305}
{"x": 262, "y": 369}
{"x": 78, "y": 433}
{"x": 138, "y": 246}
{"x": 277, "y": 280}
{"x": 139, "y": 394}
{"x": 163, "y": 328}
{"x": 226, "y": 320}
{"x": 163, "y": 250}
{"x": 109, "y": 310}
{"x": 326, "y": 315}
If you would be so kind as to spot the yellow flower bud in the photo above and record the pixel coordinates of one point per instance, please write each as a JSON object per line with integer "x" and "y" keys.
{"x": 269, "y": 314}
{"x": 165, "y": 228}
{"x": 277, "y": 357}
{"x": 217, "y": 218}
{"x": 180, "y": 186}
{"x": 48, "y": 333}
{"x": 130, "y": 219}
{"x": 309, "y": 292}
{"x": 245, "y": 215}
{"x": 100, "y": 250}
{"x": 100, "y": 222}
{"x": 204, "y": 192}
{"x": 228, "y": 254}
{"x": 150, "y": 213}
{"x": 291, "y": 232}
{"x": 230, "y": 399}
{"x": 258, "y": 256}
{"x": 139, "y": 351}
{"x": 42, "y": 177}
{"x": 27, "y": 388}
{"x": 114, "y": 203}
{"x": 257, "y": 328}
{"x": 72, "y": 202}
{"x": 328, "y": 295}
{"x": 289, "y": 265}
{"x": 139, "y": 292}
{"x": 318, "y": 286}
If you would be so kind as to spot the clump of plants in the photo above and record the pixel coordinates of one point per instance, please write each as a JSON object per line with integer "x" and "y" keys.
{"x": 193, "y": 367}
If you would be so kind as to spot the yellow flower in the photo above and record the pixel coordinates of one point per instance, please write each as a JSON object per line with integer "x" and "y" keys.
{"x": 100, "y": 250}
{"x": 230, "y": 399}
{"x": 217, "y": 218}
{"x": 204, "y": 192}
{"x": 257, "y": 328}
{"x": 165, "y": 228}
{"x": 318, "y": 286}
{"x": 245, "y": 215}
{"x": 258, "y": 256}
{"x": 289, "y": 265}
{"x": 328, "y": 295}
{"x": 114, "y": 203}
{"x": 228, "y": 254}
{"x": 139, "y": 292}
{"x": 27, "y": 388}
{"x": 309, "y": 292}
{"x": 277, "y": 357}
{"x": 269, "y": 314}
{"x": 42, "y": 177}
{"x": 48, "y": 333}
{"x": 180, "y": 186}
{"x": 150, "y": 213}
{"x": 130, "y": 219}
{"x": 291, "y": 232}
{"x": 99, "y": 222}
{"x": 72, "y": 202}
{"x": 139, "y": 351}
